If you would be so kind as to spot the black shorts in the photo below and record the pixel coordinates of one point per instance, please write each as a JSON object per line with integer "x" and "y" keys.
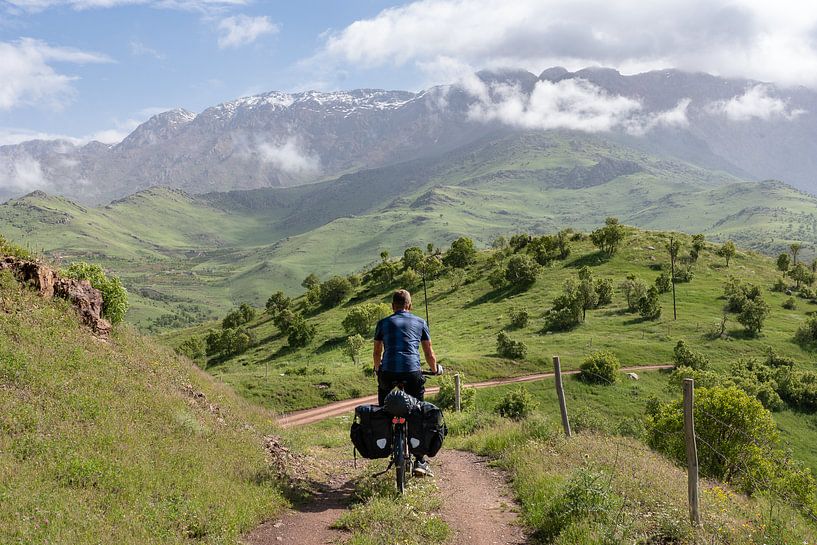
{"x": 414, "y": 384}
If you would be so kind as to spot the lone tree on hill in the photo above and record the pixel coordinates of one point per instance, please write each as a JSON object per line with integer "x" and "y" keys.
{"x": 354, "y": 346}
{"x": 727, "y": 251}
{"x": 521, "y": 270}
{"x": 795, "y": 248}
{"x": 783, "y": 262}
{"x": 608, "y": 238}
{"x": 698, "y": 244}
{"x": 753, "y": 315}
{"x": 461, "y": 254}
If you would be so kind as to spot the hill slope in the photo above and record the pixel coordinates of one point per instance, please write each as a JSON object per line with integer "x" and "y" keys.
{"x": 119, "y": 441}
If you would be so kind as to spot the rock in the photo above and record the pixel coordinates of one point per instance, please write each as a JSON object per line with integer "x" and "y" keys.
{"x": 84, "y": 297}
{"x": 632, "y": 376}
{"x": 651, "y": 247}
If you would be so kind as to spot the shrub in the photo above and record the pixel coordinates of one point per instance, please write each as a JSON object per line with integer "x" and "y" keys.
{"x": 361, "y": 319}
{"x": 753, "y": 315}
{"x": 521, "y": 270}
{"x": 519, "y": 317}
{"x": 354, "y": 346}
{"x": 648, "y": 306}
{"x": 567, "y": 310}
{"x": 283, "y": 320}
{"x": 194, "y": 348}
{"x": 461, "y": 254}
{"x": 806, "y": 292}
{"x": 413, "y": 257}
{"x": 311, "y": 281}
{"x": 240, "y": 316}
{"x": 684, "y": 357}
{"x": 807, "y": 332}
{"x": 634, "y": 289}
{"x": 446, "y": 398}
{"x": 300, "y": 333}
{"x": 604, "y": 291}
{"x": 9, "y": 248}
{"x": 779, "y": 285}
{"x": 409, "y": 279}
{"x": 800, "y": 390}
{"x": 114, "y": 296}
{"x": 509, "y": 348}
{"x": 586, "y": 497}
{"x": 600, "y": 368}
{"x": 790, "y": 303}
{"x": 277, "y": 303}
{"x": 334, "y": 291}
{"x": 608, "y": 238}
{"x": 683, "y": 276}
{"x": 497, "y": 278}
{"x": 516, "y": 404}
{"x": 663, "y": 283}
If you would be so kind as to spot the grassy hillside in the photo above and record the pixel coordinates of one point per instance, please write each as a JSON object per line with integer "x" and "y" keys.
{"x": 184, "y": 258}
{"x": 119, "y": 441}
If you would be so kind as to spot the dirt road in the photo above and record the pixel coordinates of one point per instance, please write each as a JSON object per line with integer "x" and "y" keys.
{"x": 308, "y": 416}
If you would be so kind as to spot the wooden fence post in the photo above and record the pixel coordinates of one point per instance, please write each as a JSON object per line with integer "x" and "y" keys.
{"x": 560, "y": 392}
{"x": 692, "y": 451}
{"x": 457, "y": 392}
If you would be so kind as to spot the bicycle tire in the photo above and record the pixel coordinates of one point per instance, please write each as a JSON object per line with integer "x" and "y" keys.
{"x": 400, "y": 460}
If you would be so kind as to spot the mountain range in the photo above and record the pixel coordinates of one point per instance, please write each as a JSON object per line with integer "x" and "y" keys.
{"x": 745, "y": 128}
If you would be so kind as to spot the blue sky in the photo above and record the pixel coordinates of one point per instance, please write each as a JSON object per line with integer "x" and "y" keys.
{"x": 96, "y": 68}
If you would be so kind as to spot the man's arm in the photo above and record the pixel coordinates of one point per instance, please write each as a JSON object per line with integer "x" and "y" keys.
{"x": 431, "y": 357}
{"x": 377, "y": 355}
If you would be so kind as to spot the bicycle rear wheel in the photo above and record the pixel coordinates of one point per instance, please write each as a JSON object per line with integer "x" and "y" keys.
{"x": 400, "y": 460}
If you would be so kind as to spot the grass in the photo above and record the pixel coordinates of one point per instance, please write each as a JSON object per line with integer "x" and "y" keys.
{"x": 187, "y": 259}
{"x": 120, "y": 440}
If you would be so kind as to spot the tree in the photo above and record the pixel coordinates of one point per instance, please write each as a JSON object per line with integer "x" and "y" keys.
{"x": 545, "y": 249}
{"x": 334, "y": 291}
{"x": 566, "y": 312}
{"x": 311, "y": 281}
{"x": 586, "y": 291}
{"x": 461, "y": 254}
{"x": 409, "y": 279}
{"x": 194, "y": 348}
{"x": 521, "y": 270}
{"x": 801, "y": 274}
{"x": 361, "y": 319}
{"x": 277, "y": 302}
{"x": 354, "y": 346}
{"x": 795, "y": 248}
{"x": 783, "y": 262}
{"x": 114, "y": 295}
{"x": 648, "y": 306}
{"x": 499, "y": 243}
{"x": 431, "y": 267}
{"x": 604, "y": 291}
{"x": 727, "y": 251}
{"x": 283, "y": 319}
{"x": 634, "y": 289}
{"x": 698, "y": 244}
{"x": 663, "y": 283}
{"x": 412, "y": 258}
{"x": 238, "y": 317}
{"x": 300, "y": 333}
{"x": 608, "y": 238}
{"x": 753, "y": 315}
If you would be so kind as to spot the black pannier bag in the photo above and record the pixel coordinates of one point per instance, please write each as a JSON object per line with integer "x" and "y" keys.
{"x": 426, "y": 429}
{"x": 399, "y": 403}
{"x": 371, "y": 431}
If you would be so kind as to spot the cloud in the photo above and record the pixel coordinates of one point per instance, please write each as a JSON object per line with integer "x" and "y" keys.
{"x": 572, "y": 104}
{"x": 115, "y": 134}
{"x": 28, "y": 77}
{"x": 769, "y": 41}
{"x": 755, "y": 103}
{"x": 21, "y": 173}
{"x": 139, "y": 49}
{"x": 289, "y": 157}
{"x": 240, "y": 30}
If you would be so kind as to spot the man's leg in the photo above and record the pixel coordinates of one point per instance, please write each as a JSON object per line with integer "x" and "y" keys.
{"x": 384, "y": 386}
{"x": 415, "y": 385}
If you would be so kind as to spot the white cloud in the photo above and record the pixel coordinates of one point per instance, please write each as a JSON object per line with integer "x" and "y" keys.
{"x": 139, "y": 49}
{"x": 289, "y": 157}
{"x": 11, "y": 136}
{"x": 21, "y": 173}
{"x": 755, "y": 103}
{"x": 115, "y": 134}
{"x": 573, "y": 104}
{"x": 769, "y": 41}
{"x": 29, "y": 79}
{"x": 241, "y": 30}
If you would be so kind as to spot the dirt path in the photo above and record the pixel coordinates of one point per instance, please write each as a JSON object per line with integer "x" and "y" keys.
{"x": 476, "y": 502}
{"x": 308, "y": 416}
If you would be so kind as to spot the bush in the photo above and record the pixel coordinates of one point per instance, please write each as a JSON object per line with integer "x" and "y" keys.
{"x": 790, "y": 303}
{"x": 779, "y": 285}
{"x": 684, "y": 357}
{"x": 806, "y": 334}
{"x": 446, "y": 398}
{"x": 334, "y": 291}
{"x": 238, "y": 317}
{"x": 753, "y": 315}
{"x": 521, "y": 270}
{"x": 633, "y": 289}
{"x": 519, "y": 317}
{"x": 663, "y": 283}
{"x": 586, "y": 497}
{"x": 509, "y": 348}
{"x": 567, "y": 310}
{"x": 9, "y": 248}
{"x": 354, "y": 346}
{"x": 194, "y": 348}
{"x": 800, "y": 390}
{"x": 608, "y": 238}
{"x": 648, "y": 306}
{"x": 739, "y": 443}
{"x": 114, "y": 296}
{"x": 361, "y": 319}
{"x": 516, "y": 404}
{"x": 604, "y": 291}
{"x": 409, "y": 279}
{"x": 600, "y": 368}
{"x": 300, "y": 333}
{"x": 277, "y": 303}
{"x": 461, "y": 254}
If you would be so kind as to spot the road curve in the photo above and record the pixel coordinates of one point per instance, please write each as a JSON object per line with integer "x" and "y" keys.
{"x": 309, "y": 416}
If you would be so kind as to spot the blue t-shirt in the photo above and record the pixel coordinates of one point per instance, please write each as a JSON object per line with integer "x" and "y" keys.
{"x": 401, "y": 334}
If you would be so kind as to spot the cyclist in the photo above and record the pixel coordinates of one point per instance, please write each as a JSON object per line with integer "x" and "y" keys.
{"x": 397, "y": 339}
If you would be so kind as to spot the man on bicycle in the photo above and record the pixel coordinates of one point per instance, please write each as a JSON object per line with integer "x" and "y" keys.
{"x": 397, "y": 339}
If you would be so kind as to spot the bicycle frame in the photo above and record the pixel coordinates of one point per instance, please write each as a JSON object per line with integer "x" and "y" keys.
{"x": 401, "y": 458}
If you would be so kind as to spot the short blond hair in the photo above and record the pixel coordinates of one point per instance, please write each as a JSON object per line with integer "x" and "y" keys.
{"x": 401, "y": 299}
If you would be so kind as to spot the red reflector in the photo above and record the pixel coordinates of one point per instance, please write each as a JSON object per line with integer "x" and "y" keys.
{"x": 398, "y": 420}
